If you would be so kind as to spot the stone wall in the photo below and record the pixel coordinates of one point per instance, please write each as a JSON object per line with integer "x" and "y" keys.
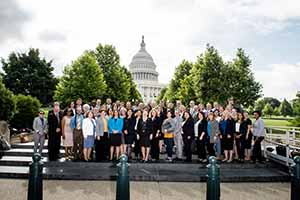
{"x": 4, "y": 131}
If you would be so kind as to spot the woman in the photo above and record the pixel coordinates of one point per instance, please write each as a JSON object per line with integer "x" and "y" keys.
{"x": 213, "y": 132}
{"x": 88, "y": 130}
{"x": 248, "y": 138}
{"x": 178, "y": 136}
{"x": 228, "y": 137}
{"x": 115, "y": 126}
{"x": 129, "y": 134}
{"x": 200, "y": 136}
{"x": 102, "y": 141}
{"x": 188, "y": 135}
{"x": 123, "y": 115}
{"x": 145, "y": 134}
{"x": 168, "y": 128}
{"x": 137, "y": 125}
{"x": 155, "y": 139}
{"x": 67, "y": 134}
{"x": 240, "y": 136}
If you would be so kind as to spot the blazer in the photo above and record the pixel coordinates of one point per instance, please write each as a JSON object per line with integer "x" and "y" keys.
{"x": 188, "y": 128}
{"x": 54, "y": 122}
{"x": 146, "y": 127}
{"x": 39, "y": 127}
{"x": 129, "y": 124}
{"x": 202, "y": 127}
{"x": 100, "y": 126}
{"x": 115, "y": 124}
{"x": 214, "y": 130}
{"x": 73, "y": 122}
{"x": 169, "y": 125}
{"x": 230, "y": 127}
{"x": 88, "y": 127}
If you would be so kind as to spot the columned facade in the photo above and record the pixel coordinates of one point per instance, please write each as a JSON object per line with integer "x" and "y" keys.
{"x": 143, "y": 70}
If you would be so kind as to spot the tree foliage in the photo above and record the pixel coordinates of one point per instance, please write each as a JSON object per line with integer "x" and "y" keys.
{"x": 268, "y": 110}
{"x": 27, "y": 108}
{"x": 7, "y": 103}
{"x": 29, "y": 74}
{"x": 211, "y": 79}
{"x": 83, "y": 78}
{"x": 285, "y": 108}
{"x": 120, "y": 85}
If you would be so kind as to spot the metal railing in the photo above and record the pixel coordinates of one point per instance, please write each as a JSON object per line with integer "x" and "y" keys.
{"x": 280, "y": 142}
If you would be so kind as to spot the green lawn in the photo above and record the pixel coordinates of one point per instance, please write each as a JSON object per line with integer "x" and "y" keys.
{"x": 275, "y": 122}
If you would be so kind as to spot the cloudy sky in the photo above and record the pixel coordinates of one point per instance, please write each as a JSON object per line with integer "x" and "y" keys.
{"x": 268, "y": 30}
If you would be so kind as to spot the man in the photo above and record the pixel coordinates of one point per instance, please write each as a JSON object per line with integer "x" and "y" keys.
{"x": 192, "y": 107}
{"x": 40, "y": 130}
{"x": 76, "y": 126}
{"x": 54, "y": 123}
{"x": 259, "y": 135}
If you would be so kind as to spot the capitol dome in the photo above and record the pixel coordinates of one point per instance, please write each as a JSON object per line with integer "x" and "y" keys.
{"x": 142, "y": 66}
{"x": 144, "y": 74}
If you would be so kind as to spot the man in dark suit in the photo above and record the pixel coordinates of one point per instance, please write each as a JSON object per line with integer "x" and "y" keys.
{"x": 54, "y": 132}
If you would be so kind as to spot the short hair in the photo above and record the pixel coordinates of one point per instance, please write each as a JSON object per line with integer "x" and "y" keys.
{"x": 258, "y": 112}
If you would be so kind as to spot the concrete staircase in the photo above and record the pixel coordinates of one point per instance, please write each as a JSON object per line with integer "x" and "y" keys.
{"x": 15, "y": 164}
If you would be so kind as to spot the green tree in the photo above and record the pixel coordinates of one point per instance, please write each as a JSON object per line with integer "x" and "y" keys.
{"x": 272, "y": 101}
{"x": 259, "y": 105}
{"x": 29, "y": 74}
{"x": 83, "y": 78}
{"x": 208, "y": 77}
{"x": 27, "y": 108}
{"x": 118, "y": 82}
{"x": 268, "y": 110}
{"x": 242, "y": 85}
{"x": 7, "y": 103}
{"x": 162, "y": 95}
{"x": 286, "y": 108}
{"x": 134, "y": 94}
{"x": 182, "y": 71}
{"x": 276, "y": 111}
{"x": 296, "y": 105}
{"x": 186, "y": 92}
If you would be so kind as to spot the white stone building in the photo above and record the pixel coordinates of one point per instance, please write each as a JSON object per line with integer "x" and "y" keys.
{"x": 143, "y": 70}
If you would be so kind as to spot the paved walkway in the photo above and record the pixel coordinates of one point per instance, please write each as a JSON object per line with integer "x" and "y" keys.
{"x": 14, "y": 189}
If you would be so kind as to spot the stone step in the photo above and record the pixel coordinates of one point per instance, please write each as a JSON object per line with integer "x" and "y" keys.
{"x": 147, "y": 172}
{"x": 26, "y": 152}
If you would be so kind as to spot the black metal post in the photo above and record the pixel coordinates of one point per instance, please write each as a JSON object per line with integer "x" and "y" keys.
{"x": 123, "y": 189}
{"x": 213, "y": 180}
{"x": 35, "y": 183}
{"x": 295, "y": 179}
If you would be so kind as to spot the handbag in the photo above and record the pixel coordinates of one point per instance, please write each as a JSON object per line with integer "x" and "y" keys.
{"x": 4, "y": 145}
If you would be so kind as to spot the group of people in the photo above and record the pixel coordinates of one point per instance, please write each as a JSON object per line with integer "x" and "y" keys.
{"x": 103, "y": 132}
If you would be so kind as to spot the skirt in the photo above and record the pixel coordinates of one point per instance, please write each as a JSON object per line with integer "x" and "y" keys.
{"x": 129, "y": 139}
{"x": 115, "y": 140}
{"x": 145, "y": 141}
{"x": 248, "y": 142}
{"x": 88, "y": 142}
{"x": 228, "y": 143}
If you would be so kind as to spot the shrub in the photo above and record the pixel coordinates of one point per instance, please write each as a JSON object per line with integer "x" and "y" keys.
{"x": 7, "y": 103}
{"x": 27, "y": 108}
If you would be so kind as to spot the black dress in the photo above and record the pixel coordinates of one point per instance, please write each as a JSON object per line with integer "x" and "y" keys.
{"x": 145, "y": 131}
{"x": 229, "y": 130}
{"x": 248, "y": 141}
{"x": 155, "y": 140}
{"x": 129, "y": 126}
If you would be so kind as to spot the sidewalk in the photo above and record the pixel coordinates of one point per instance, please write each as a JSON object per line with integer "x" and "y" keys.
{"x": 14, "y": 189}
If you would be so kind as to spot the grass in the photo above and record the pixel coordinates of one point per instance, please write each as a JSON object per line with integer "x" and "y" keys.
{"x": 275, "y": 122}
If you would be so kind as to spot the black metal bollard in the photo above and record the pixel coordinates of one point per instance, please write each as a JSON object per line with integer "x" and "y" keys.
{"x": 213, "y": 180}
{"x": 295, "y": 179}
{"x": 123, "y": 189}
{"x": 35, "y": 183}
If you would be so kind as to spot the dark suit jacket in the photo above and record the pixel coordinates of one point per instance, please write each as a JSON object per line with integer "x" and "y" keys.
{"x": 188, "y": 128}
{"x": 53, "y": 122}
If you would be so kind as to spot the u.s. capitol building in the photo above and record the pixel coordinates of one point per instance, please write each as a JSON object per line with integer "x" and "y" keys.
{"x": 143, "y": 70}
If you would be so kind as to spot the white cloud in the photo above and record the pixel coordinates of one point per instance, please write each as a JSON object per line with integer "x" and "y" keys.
{"x": 280, "y": 80}
{"x": 174, "y": 30}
